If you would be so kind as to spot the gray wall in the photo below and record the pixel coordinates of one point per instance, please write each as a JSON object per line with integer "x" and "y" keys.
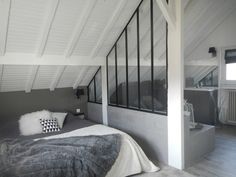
{"x": 14, "y": 104}
{"x": 95, "y": 112}
{"x": 149, "y": 130}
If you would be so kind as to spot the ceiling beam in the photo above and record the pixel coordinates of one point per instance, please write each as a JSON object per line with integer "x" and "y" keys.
{"x": 32, "y": 77}
{"x": 31, "y": 59}
{"x": 108, "y": 27}
{"x": 79, "y": 77}
{"x": 5, "y": 6}
{"x": 202, "y": 62}
{"x": 167, "y": 12}
{"x": 47, "y": 27}
{"x": 87, "y": 10}
{"x": 57, "y": 77}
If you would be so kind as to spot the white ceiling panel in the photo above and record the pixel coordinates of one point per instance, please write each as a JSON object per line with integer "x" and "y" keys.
{"x": 44, "y": 77}
{"x": 128, "y": 10}
{"x": 65, "y": 20}
{"x": 14, "y": 77}
{"x": 94, "y": 26}
{"x": 69, "y": 76}
{"x": 25, "y": 24}
{"x": 88, "y": 75}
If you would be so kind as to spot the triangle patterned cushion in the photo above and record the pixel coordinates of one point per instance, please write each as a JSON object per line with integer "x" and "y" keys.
{"x": 49, "y": 125}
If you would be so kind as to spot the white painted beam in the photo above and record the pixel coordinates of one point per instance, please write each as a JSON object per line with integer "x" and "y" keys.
{"x": 202, "y": 62}
{"x": 83, "y": 19}
{"x": 167, "y": 13}
{"x": 79, "y": 77}
{"x": 108, "y": 27}
{"x": 175, "y": 120}
{"x": 5, "y": 6}
{"x": 31, "y": 59}
{"x": 57, "y": 77}
{"x": 104, "y": 96}
{"x": 47, "y": 27}
{"x": 30, "y": 82}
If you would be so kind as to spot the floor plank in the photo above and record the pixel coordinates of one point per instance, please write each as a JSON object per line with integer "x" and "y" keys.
{"x": 222, "y": 161}
{"x": 166, "y": 171}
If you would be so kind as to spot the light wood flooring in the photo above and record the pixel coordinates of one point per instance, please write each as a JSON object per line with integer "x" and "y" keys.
{"x": 222, "y": 161}
{"x": 166, "y": 171}
{"x": 219, "y": 163}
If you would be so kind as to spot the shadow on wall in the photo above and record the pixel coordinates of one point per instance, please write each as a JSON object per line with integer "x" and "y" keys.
{"x": 14, "y": 104}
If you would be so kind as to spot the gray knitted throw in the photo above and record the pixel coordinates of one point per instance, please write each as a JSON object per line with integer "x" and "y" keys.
{"x": 88, "y": 156}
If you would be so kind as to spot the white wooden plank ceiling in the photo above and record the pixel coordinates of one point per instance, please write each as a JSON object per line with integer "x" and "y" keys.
{"x": 48, "y": 44}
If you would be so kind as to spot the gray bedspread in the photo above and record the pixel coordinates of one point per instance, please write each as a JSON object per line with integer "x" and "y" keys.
{"x": 88, "y": 156}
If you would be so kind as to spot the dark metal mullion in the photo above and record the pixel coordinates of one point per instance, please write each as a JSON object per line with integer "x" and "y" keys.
{"x": 166, "y": 66}
{"x": 88, "y": 92}
{"x": 126, "y": 26}
{"x": 211, "y": 78}
{"x": 95, "y": 75}
{"x": 94, "y": 86}
{"x": 108, "y": 98}
{"x": 127, "y": 71}
{"x": 116, "y": 74}
{"x": 138, "y": 59}
{"x": 152, "y": 54}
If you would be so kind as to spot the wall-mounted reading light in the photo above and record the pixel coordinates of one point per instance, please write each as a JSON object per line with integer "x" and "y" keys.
{"x": 212, "y": 51}
{"x": 79, "y": 92}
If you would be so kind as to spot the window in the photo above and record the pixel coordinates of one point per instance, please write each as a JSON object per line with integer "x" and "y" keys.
{"x": 136, "y": 64}
{"x": 231, "y": 71}
{"x": 230, "y": 61}
{"x": 95, "y": 88}
{"x": 112, "y": 74}
{"x": 210, "y": 80}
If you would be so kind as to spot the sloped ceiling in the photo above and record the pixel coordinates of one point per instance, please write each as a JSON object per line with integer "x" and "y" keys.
{"x": 48, "y": 44}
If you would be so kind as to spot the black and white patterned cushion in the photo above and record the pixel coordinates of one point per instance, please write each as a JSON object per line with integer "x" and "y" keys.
{"x": 49, "y": 125}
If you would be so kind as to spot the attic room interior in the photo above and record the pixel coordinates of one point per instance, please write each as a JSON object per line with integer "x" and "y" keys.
{"x": 108, "y": 88}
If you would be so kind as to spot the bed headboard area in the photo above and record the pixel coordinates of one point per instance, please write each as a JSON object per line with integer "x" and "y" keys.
{"x": 14, "y": 104}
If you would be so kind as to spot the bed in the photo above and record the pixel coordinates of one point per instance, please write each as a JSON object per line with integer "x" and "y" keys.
{"x": 111, "y": 152}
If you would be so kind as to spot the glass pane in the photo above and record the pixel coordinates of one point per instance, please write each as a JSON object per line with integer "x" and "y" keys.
{"x": 111, "y": 78}
{"x": 215, "y": 77}
{"x": 145, "y": 59}
{"x": 121, "y": 71}
{"x": 132, "y": 63}
{"x": 98, "y": 78}
{"x": 159, "y": 46}
{"x": 91, "y": 92}
{"x": 231, "y": 71}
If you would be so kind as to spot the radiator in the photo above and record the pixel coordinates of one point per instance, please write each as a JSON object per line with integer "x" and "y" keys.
{"x": 231, "y": 115}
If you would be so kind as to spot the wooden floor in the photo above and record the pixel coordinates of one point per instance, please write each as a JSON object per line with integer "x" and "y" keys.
{"x": 219, "y": 163}
{"x": 166, "y": 171}
{"x": 222, "y": 161}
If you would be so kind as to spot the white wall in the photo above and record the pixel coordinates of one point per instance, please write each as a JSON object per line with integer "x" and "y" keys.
{"x": 149, "y": 130}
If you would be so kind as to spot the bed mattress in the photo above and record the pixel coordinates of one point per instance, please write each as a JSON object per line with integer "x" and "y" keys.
{"x": 11, "y": 129}
{"x": 131, "y": 159}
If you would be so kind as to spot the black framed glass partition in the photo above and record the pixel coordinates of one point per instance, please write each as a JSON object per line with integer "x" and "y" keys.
{"x": 137, "y": 62}
{"x": 95, "y": 88}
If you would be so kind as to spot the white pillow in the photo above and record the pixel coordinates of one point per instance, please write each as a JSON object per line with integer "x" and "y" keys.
{"x": 60, "y": 116}
{"x": 29, "y": 124}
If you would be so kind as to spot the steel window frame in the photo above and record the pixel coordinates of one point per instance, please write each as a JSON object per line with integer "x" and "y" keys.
{"x": 114, "y": 47}
{"x": 94, "y": 88}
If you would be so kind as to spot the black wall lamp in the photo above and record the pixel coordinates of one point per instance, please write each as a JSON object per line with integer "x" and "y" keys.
{"x": 79, "y": 92}
{"x": 212, "y": 51}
